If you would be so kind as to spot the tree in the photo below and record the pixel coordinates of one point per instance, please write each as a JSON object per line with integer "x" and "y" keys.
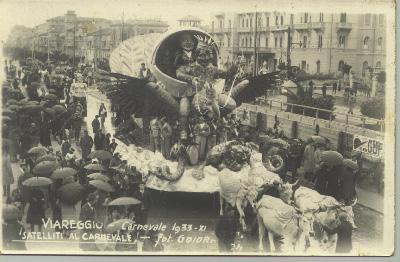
{"x": 374, "y": 107}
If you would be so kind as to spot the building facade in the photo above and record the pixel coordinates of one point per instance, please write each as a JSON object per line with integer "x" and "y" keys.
{"x": 321, "y": 42}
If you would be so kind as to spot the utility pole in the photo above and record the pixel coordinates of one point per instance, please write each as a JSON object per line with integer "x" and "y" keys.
{"x": 255, "y": 46}
{"x": 122, "y": 27}
{"x": 289, "y": 45}
{"x": 74, "y": 44}
{"x": 48, "y": 46}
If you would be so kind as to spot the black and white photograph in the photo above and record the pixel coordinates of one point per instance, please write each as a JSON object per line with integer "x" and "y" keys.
{"x": 182, "y": 127}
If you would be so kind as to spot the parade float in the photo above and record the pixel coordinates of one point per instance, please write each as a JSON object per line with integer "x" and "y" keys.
{"x": 180, "y": 93}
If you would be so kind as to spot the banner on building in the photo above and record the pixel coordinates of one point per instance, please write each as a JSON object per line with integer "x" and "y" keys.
{"x": 372, "y": 147}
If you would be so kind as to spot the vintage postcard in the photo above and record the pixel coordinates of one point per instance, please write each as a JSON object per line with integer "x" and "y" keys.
{"x": 183, "y": 127}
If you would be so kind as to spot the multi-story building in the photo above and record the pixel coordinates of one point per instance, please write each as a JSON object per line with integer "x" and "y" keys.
{"x": 100, "y": 43}
{"x": 321, "y": 42}
{"x": 190, "y": 21}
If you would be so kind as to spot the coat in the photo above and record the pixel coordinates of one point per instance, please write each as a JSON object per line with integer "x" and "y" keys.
{"x": 36, "y": 210}
{"x": 95, "y": 125}
{"x": 8, "y": 177}
{"x": 344, "y": 237}
{"x": 347, "y": 186}
{"x": 86, "y": 144}
{"x": 308, "y": 159}
{"x": 13, "y": 230}
{"x": 99, "y": 141}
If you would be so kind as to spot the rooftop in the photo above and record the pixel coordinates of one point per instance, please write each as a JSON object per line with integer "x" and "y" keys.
{"x": 190, "y": 18}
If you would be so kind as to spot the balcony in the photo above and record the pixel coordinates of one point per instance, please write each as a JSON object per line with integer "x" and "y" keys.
{"x": 303, "y": 27}
{"x": 279, "y": 28}
{"x": 259, "y": 49}
{"x": 317, "y": 25}
{"x": 221, "y": 30}
{"x": 344, "y": 26}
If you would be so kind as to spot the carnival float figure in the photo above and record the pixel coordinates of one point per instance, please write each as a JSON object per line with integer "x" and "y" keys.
{"x": 186, "y": 81}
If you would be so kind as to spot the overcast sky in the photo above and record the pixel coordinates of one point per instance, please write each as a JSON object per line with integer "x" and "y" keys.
{"x": 34, "y": 12}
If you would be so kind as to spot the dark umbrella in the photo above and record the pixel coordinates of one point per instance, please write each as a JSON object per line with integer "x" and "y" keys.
{"x": 124, "y": 201}
{"x": 332, "y": 158}
{"x": 45, "y": 168}
{"x": 101, "y": 185}
{"x": 100, "y": 154}
{"x": 63, "y": 172}
{"x": 59, "y": 109}
{"x": 45, "y": 158}
{"x": 70, "y": 193}
{"x": 95, "y": 167}
{"x": 6, "y": 119}
{"x": 14, "y": 107}
{"x": 37, "y": 182}
{"x": 98, "y": 176}
{"x": 50, "y": 111}
{"x": 9, "y": 113}
{"x": 12, "y": 102}
{"x": 51, "y": 97}
{"x": 38, "y": 150}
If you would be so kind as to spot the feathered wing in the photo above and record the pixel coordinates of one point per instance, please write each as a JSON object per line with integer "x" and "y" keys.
{"x": 253, "y": 87}
{"x": 135, "y": 96}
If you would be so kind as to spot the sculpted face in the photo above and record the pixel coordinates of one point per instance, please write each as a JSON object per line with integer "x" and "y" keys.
{"x": 204, "y": 55}
{"x": 187, "y": 42}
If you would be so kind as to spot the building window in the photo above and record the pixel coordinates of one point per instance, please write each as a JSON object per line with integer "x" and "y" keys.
{"x": 364, "y": 68}
{"x": 304, "y": 65}
{"x": 367, "y": 19}
{"x": 320, "y": 41}
{"x": 276, "y": 42}
{"x": 212, "y": 26}
{"x": 251, "y": 22}
{"x": 378, "y": 64}
{"x": 242, "y": 22}
{"x": 267, "y": 21}
{"x": 251, "y": 41}
{"x": 321, "y": 17}
{"x": 247, "y": 41}
{"x": 343, "y": 18}
{"x": 266, "y": 42}
{"x": 259, "y": 41}
{"x": 341, "y": 64}
{"x": 259, "y": 22}
{"x": 380, "y": 19}
{"x": 230, "y": 24}
{"x": 247, "y": 22}
{"x": 280, "y": 42}
{"x": 276, "y": 20}
{"x": 318, "y": 67}
{"x": 228, "y": 41}
{"x": 304, "y": 45}
{"x": 366, "y": 42}
{"x": 291, "y": 19}
{"x": 305, "y": 17}
{"x": 342, "y": 41}
{"x": 379, "y": 47}
{"x": 281, "y": 20}
{"x": 220, "y": 24}
{"x": 242, "y": 42}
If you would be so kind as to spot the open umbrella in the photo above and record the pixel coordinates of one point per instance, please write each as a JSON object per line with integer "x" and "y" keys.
{"x": 71, "y": 193}
{"x": 9, "y": 113}
{"x": 118, "y": 225}
{"x": 63, "y": 172}
{"x": 59, "y": 109}
{"x": 51, "y": 97}
{"x": 45, "y": 168}
{"x": 39, "y": 150}
{"x": 95, "y": 167}
{"x": 318, "y": 140}
{"x": 289, "y": 84}
{"x": 50, "y": 111}
{"x": 37, "y": 181}
{"x": 6, "y": 119}
{"x": 98, "y": 176}
{"x": 13, "y": 108}
{"x": 104, "y": 186}
{"x": 124, "y": 201}
{"x": 332, "y": 158}
{"x": 350, "y": 164}
{"x": 100, "y": 154}
{"x": 12, "y": 102}
{"x": 45, "y": 158}
{"x": 10, "y": 212}
{"x": 32, "y": 109}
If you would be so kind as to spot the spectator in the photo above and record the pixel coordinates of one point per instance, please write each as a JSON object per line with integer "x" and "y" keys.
{"x": 65, "y": 146}
{"x": 96, "y": 124}
{"x": 308, "y": 160}
{"x": 352, "y": 102}
{"x": 344, "y": 234}
{"x": 144, "y": 196}
{"x": 88, "y": 214}
{"x": 107, "y": 142}
{"x": 77, "y": 120}
{"x": 34, "y": 132}
{"x": 86, "y": 144}
{"x": 323, "y": 89}
{"x": 99, "y": 141}
{"x": 102, "y": 114}
{"x": 225, "y": 230}
{"x": 334, "y": 87}
{"x": 113, "y": 146}
{"x": 144, "y": 73}
{"x": 8, "y": 177}
{"x": 36, "y": 210}
{"x": 13, "y": 232}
